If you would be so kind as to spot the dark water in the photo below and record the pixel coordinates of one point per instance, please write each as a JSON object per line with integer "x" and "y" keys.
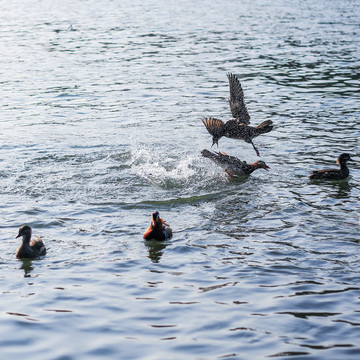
{"x": 101, "y": 108}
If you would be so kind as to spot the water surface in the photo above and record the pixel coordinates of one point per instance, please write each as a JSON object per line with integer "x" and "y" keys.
{"x": 101, "y": 124}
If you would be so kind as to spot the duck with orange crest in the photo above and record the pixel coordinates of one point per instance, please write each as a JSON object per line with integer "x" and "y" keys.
{"x": 233, "y": 166}
{"x": 158, "y": 229}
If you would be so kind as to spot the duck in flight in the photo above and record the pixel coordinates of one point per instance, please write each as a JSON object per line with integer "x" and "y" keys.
{"x": 238, "y": 127}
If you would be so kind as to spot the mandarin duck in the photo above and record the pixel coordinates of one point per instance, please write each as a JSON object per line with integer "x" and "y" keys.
{"x": 29, "y": 248}
{"x": 232, "y": 165}
{"x": 238, "y": 127}
{"x": 158, "y": 229}
{"x": 334, "y": 174}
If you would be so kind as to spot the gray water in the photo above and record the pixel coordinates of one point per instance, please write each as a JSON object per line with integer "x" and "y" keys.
{"x": 101, "y": 108}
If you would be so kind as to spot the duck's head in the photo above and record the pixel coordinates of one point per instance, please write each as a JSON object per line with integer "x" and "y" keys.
{"x": 155, "y": 218}
{"x": 343, "y": 158}
{"x": 261, "y": 165}
{"x": 215, "y": 141}
{"x": 24, "y": 231}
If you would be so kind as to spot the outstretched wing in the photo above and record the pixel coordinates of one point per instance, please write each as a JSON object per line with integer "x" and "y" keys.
{"x": 237, "y": 104}
{"x": 214, "y": 126}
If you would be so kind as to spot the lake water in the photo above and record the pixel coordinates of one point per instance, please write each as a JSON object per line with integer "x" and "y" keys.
{"x": 101, "y": 109}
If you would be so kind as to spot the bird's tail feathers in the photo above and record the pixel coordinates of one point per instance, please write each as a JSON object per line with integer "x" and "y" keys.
{"x": 209, "y": 154}
{"x": 265, "y": 127}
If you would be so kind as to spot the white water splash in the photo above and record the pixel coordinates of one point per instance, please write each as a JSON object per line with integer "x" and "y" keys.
{"x": 158, "y": 167}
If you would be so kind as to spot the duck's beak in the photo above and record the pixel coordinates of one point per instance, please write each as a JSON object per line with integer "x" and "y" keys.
{"x": 267, "y": 168}
{"x": 18, "y": 235}
{"x": 215, "y": 142}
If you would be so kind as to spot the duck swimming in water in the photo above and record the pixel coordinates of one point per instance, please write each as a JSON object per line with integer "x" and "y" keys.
{"x": 233, "y": 166}
{"x": 29, "y": 248}
{"x": 158, "y": 229}
{"x": 334, "y": 174}
{"x": 238, "y": 127}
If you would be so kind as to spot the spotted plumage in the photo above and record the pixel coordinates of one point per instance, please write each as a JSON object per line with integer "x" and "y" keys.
{"x": 334, "y": 174}
{"x": 234, "y": 130}
{"x": 238, "y": 127}
{"x": 236, "y": 101}
{"x": 29, "y": 248}
{"x": 233, "y": 166}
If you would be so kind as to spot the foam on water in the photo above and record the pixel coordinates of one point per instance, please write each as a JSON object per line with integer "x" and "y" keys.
{"x": 159, "y": 168}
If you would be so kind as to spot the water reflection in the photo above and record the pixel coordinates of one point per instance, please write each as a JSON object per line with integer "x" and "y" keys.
{"x": 339, "y": 189}
{"x": 27, "y": 267}
{"x": 155, "y": 248}
{"x": 342, "y": 189}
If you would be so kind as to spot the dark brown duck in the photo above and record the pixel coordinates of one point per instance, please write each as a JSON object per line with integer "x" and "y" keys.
{"x": 238, "y": 127}
{"x": 233, "y": 166}
{"x": 334, "y": 174}
{"x": 29, "y": 248}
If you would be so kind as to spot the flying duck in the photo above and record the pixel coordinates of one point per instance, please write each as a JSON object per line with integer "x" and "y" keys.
{"x": 238, "y": 127}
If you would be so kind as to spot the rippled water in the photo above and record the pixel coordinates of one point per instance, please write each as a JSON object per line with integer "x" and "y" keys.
{"x": 101, "y": 124}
